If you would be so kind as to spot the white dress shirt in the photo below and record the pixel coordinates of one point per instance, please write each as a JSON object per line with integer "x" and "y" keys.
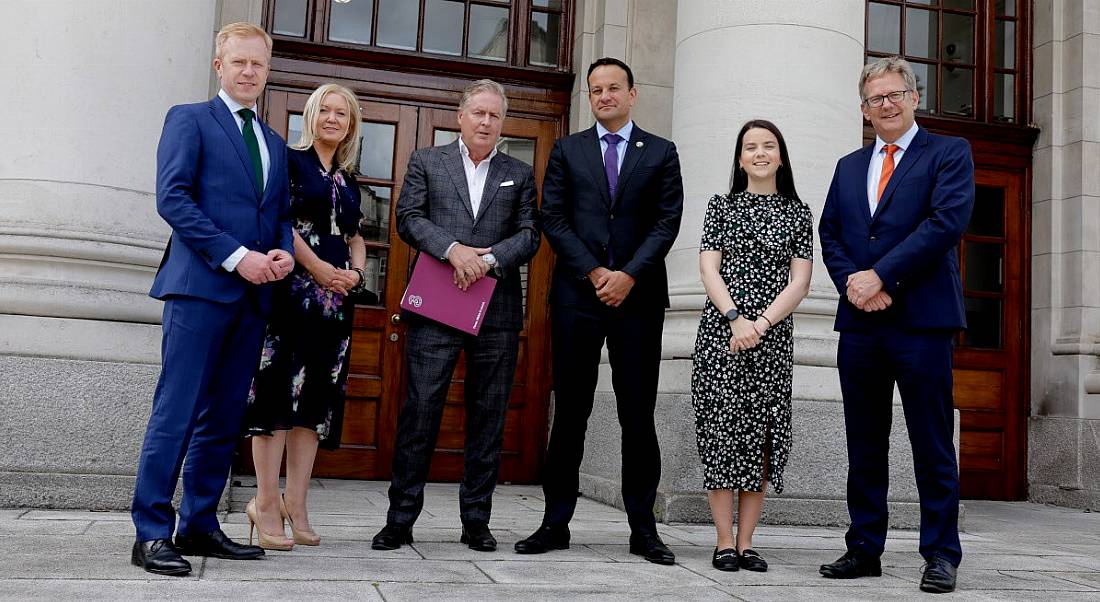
{"x": 624, "y": 132}
{"x": 874, "y": 170}
{"x": 231, "y": 262}
{"x": 475, "y": 181}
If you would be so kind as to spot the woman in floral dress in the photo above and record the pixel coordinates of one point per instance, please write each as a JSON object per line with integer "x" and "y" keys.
{"x": 755, "y": 260}
{"x": 297, "y": 398}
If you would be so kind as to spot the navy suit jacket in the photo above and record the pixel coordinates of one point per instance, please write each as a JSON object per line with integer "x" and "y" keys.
{"x": 635, "y": 230}
{"x": 911, "y": 241}
{"x": 206, "y": 192}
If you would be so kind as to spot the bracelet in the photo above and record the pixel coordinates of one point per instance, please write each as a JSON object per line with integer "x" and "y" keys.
{"x": 770, "y": 325}
{"x": 362, "y": 285}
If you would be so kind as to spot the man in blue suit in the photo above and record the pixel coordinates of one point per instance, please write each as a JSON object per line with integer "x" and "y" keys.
{"x": 222, "y": 186}
{"x": 890, "y": 229}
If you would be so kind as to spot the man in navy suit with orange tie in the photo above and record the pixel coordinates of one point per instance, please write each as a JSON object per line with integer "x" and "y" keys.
{"x": 890, "y": 229}
{"x": 222, "y": 186}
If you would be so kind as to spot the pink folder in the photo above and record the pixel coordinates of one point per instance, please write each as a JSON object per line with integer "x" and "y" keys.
{"x": 433, "y": 294}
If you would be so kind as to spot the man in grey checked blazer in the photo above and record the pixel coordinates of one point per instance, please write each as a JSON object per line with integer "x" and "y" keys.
{"x": 475, "y": 207}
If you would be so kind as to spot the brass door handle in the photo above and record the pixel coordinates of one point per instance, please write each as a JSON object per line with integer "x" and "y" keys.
{"x": 395, "y": 319}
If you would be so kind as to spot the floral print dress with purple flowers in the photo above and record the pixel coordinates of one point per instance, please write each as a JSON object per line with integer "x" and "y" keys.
{"x": 303, "y": 370}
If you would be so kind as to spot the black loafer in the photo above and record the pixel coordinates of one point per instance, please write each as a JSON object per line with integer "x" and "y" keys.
{"x": 478, "y": 537}
{"x": 216, "y": 544}
{"x": 652, "y": 549}
{"x": 159, "y": 557}
{"x": 939, "y": 576}
{"x": 391, "y": 537}
{"x": 752, "y": 561}
{"x": 548, "y": 537}
{"x": 854, "y": 563}
{"x": 725, "y": 560}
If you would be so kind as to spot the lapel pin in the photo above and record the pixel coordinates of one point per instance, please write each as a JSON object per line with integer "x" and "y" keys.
{"x": 639, "y": 144}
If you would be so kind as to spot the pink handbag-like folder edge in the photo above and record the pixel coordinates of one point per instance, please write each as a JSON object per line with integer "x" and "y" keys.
{"x": 433, "y": 294}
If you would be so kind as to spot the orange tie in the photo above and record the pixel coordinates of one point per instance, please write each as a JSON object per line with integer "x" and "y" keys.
{"x": 887, "y": 171}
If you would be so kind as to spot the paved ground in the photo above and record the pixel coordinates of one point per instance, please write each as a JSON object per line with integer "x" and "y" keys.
{"x": 1013, "y": 551}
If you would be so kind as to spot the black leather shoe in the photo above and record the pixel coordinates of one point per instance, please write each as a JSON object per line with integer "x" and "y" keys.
{"x": 939, "y": 576}
{"x": 547, "y": 538}
{"x": 752, "y": 561}
{"x": 852, "y": 564}
{"x": 652, "y": 548}
{"x": 478, "y": 537}
{"x": 216, "y": 544}
{"x": 391, "y": 537}
{"x": 158, "y": 556}
{"x": 725, "y": 560}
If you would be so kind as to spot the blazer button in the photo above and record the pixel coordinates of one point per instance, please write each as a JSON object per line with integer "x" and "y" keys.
{"x": 256, "y": 242}
{"x": 612, "y": 216}
{"x": 874, "y": 238}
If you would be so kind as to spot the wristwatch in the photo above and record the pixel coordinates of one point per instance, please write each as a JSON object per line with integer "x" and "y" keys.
{"x": 490, "y": 259}
{"x": 732, "y": 314}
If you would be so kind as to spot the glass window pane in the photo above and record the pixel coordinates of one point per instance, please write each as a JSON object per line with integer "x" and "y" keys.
{"x": 958, "y": 38}
{"x": 960, "y": 4}
{"x": 293, "y": 128}
{"x": 545, "y": 34}
{"x": 1005, "y": 50}
{"x": 1004, "y": 97}
{"x": 375, "y": 272}
{"x": 376, "y": 150}
{"x": 552, "y": 4}
{"x": 984, "y": 266}
{"x": 290, "y": 18}
{"x": 983, "y": 323}
{"x": 397, "y": 23}
{"x": 988, "y": 218}
{"x": 924, "y": 2}
{"x": 883, "y": 28}
{"x": 443, "y": 27}
{"x": 958, "y": 91}
{"x": 921, "y": 31}
{"x": 375, "y": 225}
{"x": 926, "y": 86}
{"x": 1005, "y": 7}
{"x": 488, "y": 33}
{"x": 351, "y": 22}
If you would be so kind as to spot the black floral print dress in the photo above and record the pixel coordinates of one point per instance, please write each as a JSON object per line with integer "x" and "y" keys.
{"x": 742, "y": 400}
{"x": 303, "y": 370}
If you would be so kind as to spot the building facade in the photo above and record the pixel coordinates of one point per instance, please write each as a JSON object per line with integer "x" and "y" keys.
{"x": 80, "y": 238}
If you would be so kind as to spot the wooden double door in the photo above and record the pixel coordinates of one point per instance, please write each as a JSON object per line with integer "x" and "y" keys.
{"x": 376, "y": 386}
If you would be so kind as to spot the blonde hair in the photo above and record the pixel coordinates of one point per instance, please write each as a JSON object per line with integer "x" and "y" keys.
{"x": 240, "y": 29}
{"x": 484, "y": 85}
{"x": 888, "y": 64}
{"x": 347, "y": 152}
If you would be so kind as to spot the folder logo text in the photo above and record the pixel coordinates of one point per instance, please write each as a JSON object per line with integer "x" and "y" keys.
{"x": 416, "y": 300}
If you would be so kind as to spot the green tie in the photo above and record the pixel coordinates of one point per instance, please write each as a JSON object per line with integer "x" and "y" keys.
{"x": 253, "y": 147}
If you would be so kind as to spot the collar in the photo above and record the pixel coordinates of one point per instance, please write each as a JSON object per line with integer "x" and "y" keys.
{"x": 624, "y": 132}
{"x": 902, "y": 143}
{"x": 466, "y": 151}
{"x": 235, "y": 106}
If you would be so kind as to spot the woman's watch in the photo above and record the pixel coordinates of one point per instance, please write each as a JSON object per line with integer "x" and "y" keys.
{"x": 732, "y": 314}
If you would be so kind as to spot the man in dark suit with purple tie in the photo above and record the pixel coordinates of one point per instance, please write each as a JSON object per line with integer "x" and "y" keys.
{"x": 611, "y": 201}
{"x": 890, "y": 230}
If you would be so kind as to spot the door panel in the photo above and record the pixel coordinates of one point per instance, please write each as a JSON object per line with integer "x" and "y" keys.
{"x": 990, "y": 385}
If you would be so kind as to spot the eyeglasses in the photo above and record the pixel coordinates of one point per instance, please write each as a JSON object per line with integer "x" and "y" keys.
{"x": 895, "y": 97}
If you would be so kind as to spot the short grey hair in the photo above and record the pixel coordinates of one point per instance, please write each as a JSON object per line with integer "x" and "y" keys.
{"x": 889, "y": 64}
{"x": 484, "y": 85}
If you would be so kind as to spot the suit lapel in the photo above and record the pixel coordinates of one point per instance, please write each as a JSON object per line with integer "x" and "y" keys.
{"x": 275, "y": 149}
{"x": 452, "y": 160}
{"x": 594, "y": 159}
{"x": 910, "y": 157}
{"x": 861, "y": 177}
{"x": 497, "y": 170}
{"x": 635, "y": 148}
{"x": 229, "y": 125}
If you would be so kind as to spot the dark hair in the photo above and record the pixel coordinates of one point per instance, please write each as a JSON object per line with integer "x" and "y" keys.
{"x": 610, "y": 61}
{"x": 784, "y": 178}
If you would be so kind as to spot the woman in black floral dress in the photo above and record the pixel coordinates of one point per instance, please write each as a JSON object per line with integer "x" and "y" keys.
{"x": 297, "y": 398}
{"x": 755, "y": 260}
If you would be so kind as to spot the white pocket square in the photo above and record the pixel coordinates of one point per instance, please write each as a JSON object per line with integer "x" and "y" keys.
{"x": 508, "y": 183}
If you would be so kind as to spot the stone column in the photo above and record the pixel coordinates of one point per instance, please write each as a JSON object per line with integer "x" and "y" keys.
{"x": 80, "y": 238}
{"x": 1064, "y": 433}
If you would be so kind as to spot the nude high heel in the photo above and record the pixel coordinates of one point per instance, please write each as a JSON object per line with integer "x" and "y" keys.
{"x": 306, "y": 538}
{"x": 267, "y": 542}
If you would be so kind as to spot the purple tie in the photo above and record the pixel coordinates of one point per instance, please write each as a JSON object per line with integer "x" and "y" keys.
{"x": 611, "y": 161}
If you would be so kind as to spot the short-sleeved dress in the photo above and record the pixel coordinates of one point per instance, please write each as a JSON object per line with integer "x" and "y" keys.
{"x": 303, "y": 370}
{"x": 742, "y": 400}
